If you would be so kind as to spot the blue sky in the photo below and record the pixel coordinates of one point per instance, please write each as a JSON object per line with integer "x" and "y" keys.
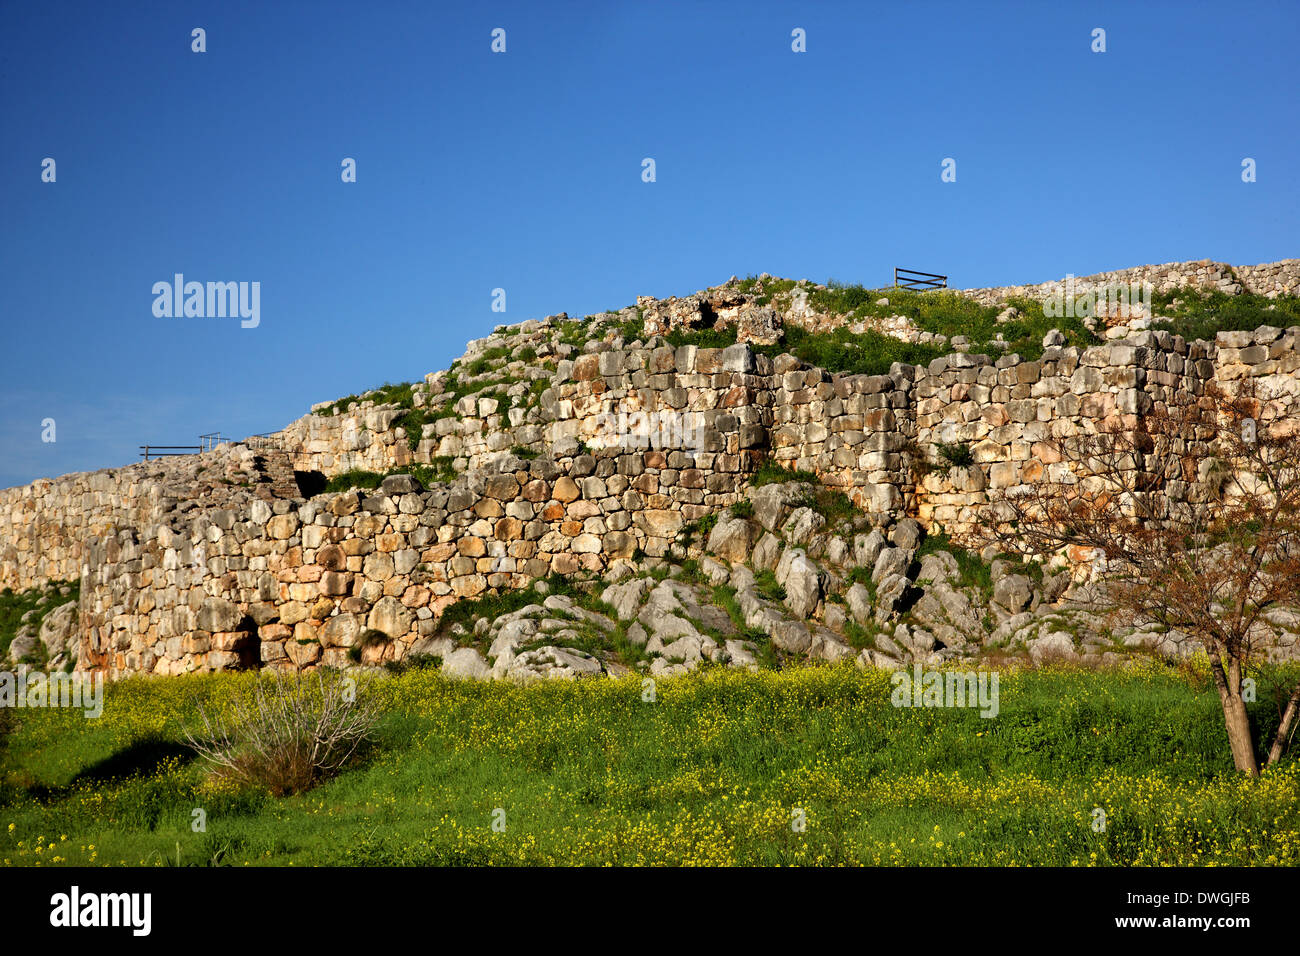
{"x": 522, "y": 171}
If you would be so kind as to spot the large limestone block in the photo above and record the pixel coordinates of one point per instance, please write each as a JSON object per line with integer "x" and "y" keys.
{"x": 390, "y": 618}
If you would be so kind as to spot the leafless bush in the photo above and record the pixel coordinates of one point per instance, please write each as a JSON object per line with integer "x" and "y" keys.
{"x": 295, "y": 732}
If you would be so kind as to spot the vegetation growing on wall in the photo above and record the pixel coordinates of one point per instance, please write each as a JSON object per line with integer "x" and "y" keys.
{"x": 872, "y": 353}
{"x": 1199, "y": 314}
{"x": 438, "y": 471}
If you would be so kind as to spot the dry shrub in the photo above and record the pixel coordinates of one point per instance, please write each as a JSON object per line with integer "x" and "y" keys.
{"x": 295, "y": 732}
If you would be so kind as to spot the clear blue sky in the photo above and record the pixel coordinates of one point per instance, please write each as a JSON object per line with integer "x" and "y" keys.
{"x": 523, "y": 171}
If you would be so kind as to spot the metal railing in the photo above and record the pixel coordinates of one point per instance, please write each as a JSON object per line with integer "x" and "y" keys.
{"x": 911, "y": 279}
{"x": 206, "y": 443}
{"x": 149, "y": 452}
{"x": 264, "y": 440}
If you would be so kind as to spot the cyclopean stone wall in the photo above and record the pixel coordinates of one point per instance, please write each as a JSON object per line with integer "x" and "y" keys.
{"x": 364, "y": 439}
{"x": 579, "y": 459}
{"x": 481, "y": 427}
{"x": 1008, "y": 411}
{"x": 45, "y": 526}
{"x": 289, "y": 582}
{"x": 1269, "y": 279}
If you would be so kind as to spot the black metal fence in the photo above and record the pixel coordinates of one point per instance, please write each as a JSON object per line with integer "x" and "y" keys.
{"x": 911, "y": 279}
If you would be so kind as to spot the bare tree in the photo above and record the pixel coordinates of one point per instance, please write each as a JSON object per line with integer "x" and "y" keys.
{"x": 1190, "y": 515}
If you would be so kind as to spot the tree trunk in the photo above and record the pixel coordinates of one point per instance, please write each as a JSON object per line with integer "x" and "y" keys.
{"x": 1239, "y": 736}
{"x": 1235, "y": 717}
{"x": 1284, "y": 728}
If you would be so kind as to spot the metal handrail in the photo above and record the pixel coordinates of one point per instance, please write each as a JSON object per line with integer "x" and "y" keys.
{"x": 264, "y": 440}
{"x": 153, "y": 450}
{"x": 207, "y": 443}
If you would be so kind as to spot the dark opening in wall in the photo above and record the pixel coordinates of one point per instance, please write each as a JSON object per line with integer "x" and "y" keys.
{"x": 708, "y": 317}
{"x": 310, "y": 483}
{"x": 249, "y": 649}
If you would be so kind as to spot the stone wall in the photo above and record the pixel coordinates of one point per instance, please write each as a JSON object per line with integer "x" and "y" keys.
{"x": 360, "y": 439}
{"x": 293, "y": 583}
{"x": 1269, "y": 279}
{"x": 44, "y": 526}
{"x": 286, "y": 582}
{"x": 578, "y": 459}
{"x": 480, "y": 428}
{"x": 878, "y": 437}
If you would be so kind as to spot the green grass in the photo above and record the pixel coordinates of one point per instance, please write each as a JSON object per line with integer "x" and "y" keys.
{"x": 872, "y": 353}
{"x": 834, "y": 506}
{"x": 390, "y": 393}
{"x": 575, "y": 333}
{"x": 771, "y": 472}
{"x": 973, "y": 571}
{"x": 1201, "y": 314}
{"x": 860, "y": 637}
{"x": 945, "y": 312}
{"x": 630, "y": 330}
{"x": 487, "y": 359}
{"x": 413, "y": 419}
{"x": 766, "y": 584}
{"x": 855, "y": 353}
{"x": 711, "y": 338}
{"x": 765, "y": 654}
{"x": 610, "y": 646}
{"x": 712, "y": 772}
{"x": 862, "y": 575}
{"x": 439, "y": 471}
{"x": 776, "y": 289}
{"x": 492, "y": 606}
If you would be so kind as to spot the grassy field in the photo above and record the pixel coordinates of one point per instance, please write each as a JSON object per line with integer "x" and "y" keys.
{"x": 718, "y": 769}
